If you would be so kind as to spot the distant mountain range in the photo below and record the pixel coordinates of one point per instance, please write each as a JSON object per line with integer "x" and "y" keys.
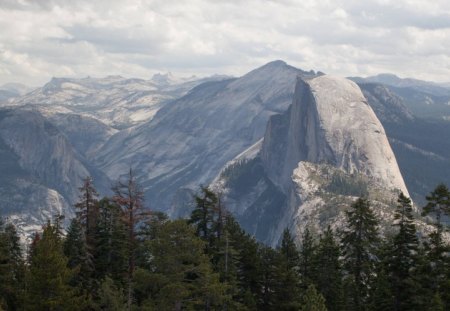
{"x": 425, "y": 99}
{"x": 180, "y": 133}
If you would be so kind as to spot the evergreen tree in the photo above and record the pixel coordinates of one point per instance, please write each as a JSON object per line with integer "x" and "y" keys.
{"x": 110, "y": 251}
{"x": 111, "y": 298}
{"x": 381, "y": 298}
{"x": 248, "y": 270}
{"x": 87, "y": 210}
{"x": 359, "y": 244}
{"x": 328, "y": 271}
{"x": 79, "y": 259}
{"x": 436, "y": 303}
{"x": 402, "y": 260}
{"x": 307, "y": 254}
{"x": 48, "y": 277}
{"x": 181, "y": 275}
{"x": 130, "y": 197}
{"x": 203, "y": 217}
{"x": 287, "y": 292}
{"x": 225, "y": 257}
{"x": 439, "y": 206}
{"x": 269, "y": 274}
{"x": 313, "y": 300}
{"x": 11, "y": 268}
{"x": 147, "y": 232}
{"x": 244, "y": 262}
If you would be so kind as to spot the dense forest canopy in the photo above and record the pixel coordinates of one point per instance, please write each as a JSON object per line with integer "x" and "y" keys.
{"x": 119, "y": 255}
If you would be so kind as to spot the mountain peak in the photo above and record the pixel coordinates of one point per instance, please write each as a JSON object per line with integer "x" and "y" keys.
{"x": 277, "y": 62}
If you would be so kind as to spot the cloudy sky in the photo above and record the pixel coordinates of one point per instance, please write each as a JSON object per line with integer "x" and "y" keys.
{"x": 76, "y": 38}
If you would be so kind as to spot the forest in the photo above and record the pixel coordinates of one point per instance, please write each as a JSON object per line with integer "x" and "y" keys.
{"x": 117, "y": 254}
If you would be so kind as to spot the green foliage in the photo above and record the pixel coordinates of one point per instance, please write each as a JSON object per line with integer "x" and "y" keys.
{"x": 313, "y": 301}
{"x": 307, "y": 254}
{"x": 110, "y": 297}
{"x": 328, "y": 270}
{"x": 12, "y": 268}
{"x": 48, "y": 276}
{"x": 381, "y": 298}
{"x": 402, "y": 259}
{"x": 437, "y": 259}
{"x": 87, "y": 210}
{"x": 436, "y": 303}
{"x": 210, "y": 263}
{"x": 287, "y": 290}
{"x": 79, "y": 259}
{"x": 181, "y": 273}
{"x": 203, "y": 216}
{"x": 110, "y": 252}
{"x": 343, "y": 185}
{"x": 438, "y": 204}
{"x": 359, "y": 245}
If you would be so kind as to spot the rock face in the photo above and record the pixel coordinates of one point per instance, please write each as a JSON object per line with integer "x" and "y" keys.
{"x": 189, "y": 141}
{"x": 328, "y": 145}
{"x": 180, "y": 133}
{"x": 41, "y": 170}
{"x": 331, "y": 122}
{"x": 114, "y": 100}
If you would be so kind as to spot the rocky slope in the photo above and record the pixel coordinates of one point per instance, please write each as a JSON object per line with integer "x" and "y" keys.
{"x": 328, "y": 148}
{"x": 116, "y": 101}
{"x": 41, "y": 171}
{"x": 189, "y": 141}
{"x": 180, "y": 133}
{"x": 425, "y": 99}
{"x": 420, "y": 145}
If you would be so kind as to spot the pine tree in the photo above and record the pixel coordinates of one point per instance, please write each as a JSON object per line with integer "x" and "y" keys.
{"x": 402, "y": 262}
{"x": 244, "y": 262}
{"x": 203, "y": 217}
{"x": 269, "y": 278}
{"x": 439, "y": 206}
{"x": 381, "y": 293}
{"x": 48, "y": 277}
{"x": 79, "y": 259}
{"x": 11, "y": 268}
{"x": 328, "y": 270}
{"x": 307, "y": 254}
{"x": 287, "y": 291}
{"x": 130, "y": 197}
{"x": 181, "y": 275}
{"x": 248, "y": 269}
{"x": 110, "y": 251}
{"x": 359, "y": 245}
{"x": 87, "y": 209}
{"x": 436, "y": 303}
{"x": 111, "y": 298}
{"x": 313, "y": 300}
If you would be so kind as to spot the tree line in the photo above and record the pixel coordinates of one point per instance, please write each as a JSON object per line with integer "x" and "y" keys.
{"x": 119, "y": 255}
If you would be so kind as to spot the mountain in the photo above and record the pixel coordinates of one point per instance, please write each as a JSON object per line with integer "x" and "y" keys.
{"x": 188, "y": 142}
{"x": 393, "y": 80}
{"x": 10, "y": 91}
{"x": 325, "y": 150}
{"x": 422, "y": 153}
{"x": 41, "y": 171}
{"x": 114, "y": 100}
{"x": 245, "y": 135}
{"x": 425, "y": 99}
{"x": 86, "y": 134}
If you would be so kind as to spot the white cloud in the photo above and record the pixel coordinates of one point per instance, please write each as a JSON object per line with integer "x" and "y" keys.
{"x": 40, "y": 39}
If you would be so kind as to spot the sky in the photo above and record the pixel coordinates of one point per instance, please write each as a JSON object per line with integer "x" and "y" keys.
{"x": 40, "y": 39}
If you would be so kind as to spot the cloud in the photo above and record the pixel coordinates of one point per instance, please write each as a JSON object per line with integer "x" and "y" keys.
{"x": 45, "y": 38}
